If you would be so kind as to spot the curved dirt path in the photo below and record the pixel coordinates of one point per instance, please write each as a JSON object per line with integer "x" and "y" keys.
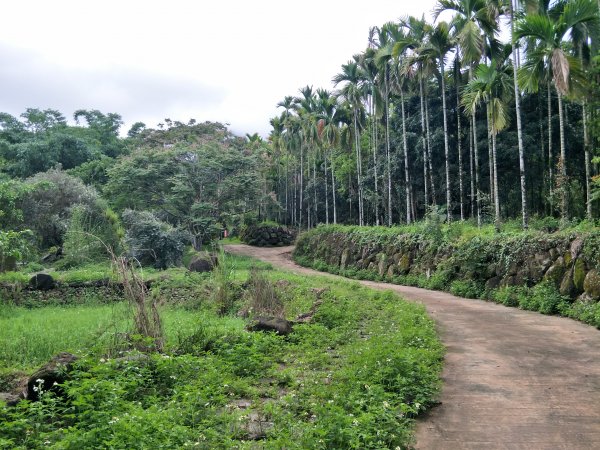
{"x": 512, "y": 379}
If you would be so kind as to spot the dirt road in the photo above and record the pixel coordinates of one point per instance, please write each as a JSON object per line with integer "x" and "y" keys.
{"x": 512, "y": 379}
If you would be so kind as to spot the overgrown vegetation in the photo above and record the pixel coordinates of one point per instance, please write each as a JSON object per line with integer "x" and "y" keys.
{"x": 355, "y": 376}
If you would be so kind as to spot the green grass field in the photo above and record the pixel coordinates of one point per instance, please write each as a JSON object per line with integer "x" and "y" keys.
{"x": 354, "y": 377}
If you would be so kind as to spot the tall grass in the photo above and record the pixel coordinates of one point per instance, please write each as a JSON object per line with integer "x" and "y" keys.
{"x": 30, "y": 337}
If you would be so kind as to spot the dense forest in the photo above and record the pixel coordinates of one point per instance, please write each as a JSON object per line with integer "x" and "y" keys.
{"x": 439, "y": 117}
{"x": 85, "y": 188}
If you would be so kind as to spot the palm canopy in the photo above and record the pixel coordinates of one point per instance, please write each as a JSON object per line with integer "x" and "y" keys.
{"x": 492, "y": 85}
{"x": 475, "y": 23}
{"x": 548, "y": 33}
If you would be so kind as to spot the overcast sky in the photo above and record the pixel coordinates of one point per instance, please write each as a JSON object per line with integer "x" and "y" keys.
{"x": 229, "y": 61}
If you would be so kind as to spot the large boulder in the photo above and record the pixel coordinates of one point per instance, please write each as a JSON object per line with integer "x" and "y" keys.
{"x": 51, "y": 374}
{"x": 42, "y": 282}
{"x": 591, "y": 284}
{"x": 203, "y": 264}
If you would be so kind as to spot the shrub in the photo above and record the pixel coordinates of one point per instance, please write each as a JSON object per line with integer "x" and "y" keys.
{"x": 92, "y": 234}
{"x": 153, "y": 242}
{"x": 263, "y": 299}
{"x": 510, "y": 295}
{"x": 14, "y": 246}
{"x": 544, "y": 298}
{"x": 467, "y": 288}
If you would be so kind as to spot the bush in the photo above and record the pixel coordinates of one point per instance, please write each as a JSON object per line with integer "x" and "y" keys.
{"x": 14, "y": 246}
{"x": 92, "y": 234}
{"x": 510, "y": 295}
{"x": 544, "y": 298}
{"x": 466, "y": 288}
{"x": 153, "y": 242}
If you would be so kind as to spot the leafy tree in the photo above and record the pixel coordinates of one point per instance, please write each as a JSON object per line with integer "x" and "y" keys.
{"x": 47, "y": 205}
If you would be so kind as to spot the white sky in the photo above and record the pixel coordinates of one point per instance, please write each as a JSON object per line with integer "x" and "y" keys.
{"x": 229, "y": 61}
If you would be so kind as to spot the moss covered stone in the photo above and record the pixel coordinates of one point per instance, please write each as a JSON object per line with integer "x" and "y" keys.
{"x": 344, "y": 258}
{"x": 404, "y": 264}
{"x": 591, "y": 284}
{"x": 579, "y": 274}
{"x": 567, "y": 287}
{"x": 556, "y": 271}
{"x": 382, "y": 264}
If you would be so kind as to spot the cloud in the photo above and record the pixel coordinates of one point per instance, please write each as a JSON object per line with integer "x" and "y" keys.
{"x": 28, "y": 80}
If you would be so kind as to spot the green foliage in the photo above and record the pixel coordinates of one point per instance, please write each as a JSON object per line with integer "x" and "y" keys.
{"x": 544, "y": 298}
{"x": 203, "y": 186}
{"x": 153, "y": 242}
{"x": 12, "y": 194}
{"x": 14, "y": 246}
{"x": 47, "y": 205}
{"x": 511, "y": 295}
{"x": 467, "y": 288}
{"x": 91, "y": 235}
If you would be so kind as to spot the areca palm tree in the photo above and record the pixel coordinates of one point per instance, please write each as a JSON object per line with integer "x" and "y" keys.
{"x": 305, "y": 108}
{"x": 373, "y": 99}
{"x": 475, "y": 26}
{"x": 439, "y": 43}
{"x": 383, "y": 60}
{"x": 421, "y": 66}
{"x": 517, "y": 97}
{"x": 327, "y": 129}
{"x": 352, "y": 93}
{"x": 548, "y": 33}
{"x": 492, "y": 86}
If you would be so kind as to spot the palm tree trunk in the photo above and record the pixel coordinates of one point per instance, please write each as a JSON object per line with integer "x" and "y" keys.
{"x": 524, "y": 212}
{"x": 301, "y": 205}
{"x": 387, "y": 149}
{"x": 550, "y": 156}
{"x": 405, "y": 145}
{"x": 490, "y": 156}
{"x": 374, "y": 143}
{"x": 543, "y": 152}
{"x": 588, "y": 168}
{"x": 432, "y": 184}
{"x": 316, "y": 221}
{"x": 424, "y": 143}
{"x": 496, "y": 196}
{"x": 333, "y": 193}
{"x": 563, "y": 159}
{"x": 446, "y": 146}
{"x": 459, "y": 141}
{"x": 471, "y": 172}
{"x": 476, "y": 157}
{"x": 295, "y": 202}
{"x": 326, "y": 188}
{"x": 358, "y": 169}
{"x": 287, "y": 185}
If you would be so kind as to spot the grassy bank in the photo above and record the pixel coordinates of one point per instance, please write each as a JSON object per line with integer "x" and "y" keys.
{"x": 353, "y": 377}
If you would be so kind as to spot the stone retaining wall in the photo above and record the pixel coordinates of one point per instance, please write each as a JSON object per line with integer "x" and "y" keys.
{"x": 570, "y": 261}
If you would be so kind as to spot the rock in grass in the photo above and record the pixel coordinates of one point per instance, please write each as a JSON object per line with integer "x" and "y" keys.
{"x": 203, "y": 263}
{"x": 49, "y": 375}
{"x": 268, "y": 323}
{"x": 42, "y": 282}
{"x": 9, "y": 398}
